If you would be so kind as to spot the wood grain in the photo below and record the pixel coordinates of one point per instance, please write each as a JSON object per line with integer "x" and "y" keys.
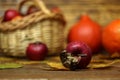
{"x": 34, "y": 72}
{"x": 37, "y": 71}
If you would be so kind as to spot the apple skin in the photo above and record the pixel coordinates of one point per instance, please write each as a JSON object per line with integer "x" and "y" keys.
{"x": 56, "y": 10}
{"x": 32, "y": 9}
{"x": 16, "y": 18}
{"x": 80, "y": 48}
{"x": 78, "y": 51}
{"x": 36, "y": 51}
{"x": 10, "y": 14}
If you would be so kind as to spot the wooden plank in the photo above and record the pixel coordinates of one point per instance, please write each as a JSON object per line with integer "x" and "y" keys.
{"x": 34, "y": 72}
{"x": 37, "y": 71}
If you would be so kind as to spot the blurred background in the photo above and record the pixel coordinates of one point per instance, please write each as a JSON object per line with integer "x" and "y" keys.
{"x": 101, "y": 11}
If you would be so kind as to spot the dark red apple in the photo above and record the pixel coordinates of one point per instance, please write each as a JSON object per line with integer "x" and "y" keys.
{"x": 36, "y": 51}
{"x": 24, "y": 6}
{"x": 77, "y": 55}
{"x": 10, "y": 14}
{"x": 56, "y": 9}
{"x": 32, "y": 9}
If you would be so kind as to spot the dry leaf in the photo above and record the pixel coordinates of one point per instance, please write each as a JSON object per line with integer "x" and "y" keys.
{"x": 98, "y": 61}
{"x": 55, "y": 58}
{"x": 103, "y": 65}
{"x": 98, "y": 66}
{"x": 56, "y": 65}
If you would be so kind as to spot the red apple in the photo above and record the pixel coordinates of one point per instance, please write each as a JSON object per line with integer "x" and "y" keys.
{"x": 36, "y": 51}
{"x": 77, "y": 55}
{"x": 32, "y": 9}
{"x": 10, "y": 14}
{"x": 16, "y": 18}
{"x": 24, "y": 6}
{"x": 56, "y": 9}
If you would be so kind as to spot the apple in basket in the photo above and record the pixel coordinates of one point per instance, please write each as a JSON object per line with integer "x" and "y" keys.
{"x": 55, "y": 9}
{"x": 32, "y": 9}
{"x": 36, "y": 51}
{"x": 10, "y": 14}
{"x": 27, "y": 7}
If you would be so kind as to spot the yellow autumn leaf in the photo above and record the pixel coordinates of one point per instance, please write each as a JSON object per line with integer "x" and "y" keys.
{"x": 103, "y": 65}
{"x": 57, "y": 65}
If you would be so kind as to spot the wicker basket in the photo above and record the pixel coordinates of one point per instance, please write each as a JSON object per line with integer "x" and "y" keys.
{"x": 43, "y": 26}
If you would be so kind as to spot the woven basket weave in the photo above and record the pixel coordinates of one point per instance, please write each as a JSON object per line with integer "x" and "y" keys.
{"x": 40, "y": 26}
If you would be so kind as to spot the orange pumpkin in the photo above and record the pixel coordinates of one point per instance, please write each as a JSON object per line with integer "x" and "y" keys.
{"x": 111, "y": 38}
{"x": 88, "y": 31}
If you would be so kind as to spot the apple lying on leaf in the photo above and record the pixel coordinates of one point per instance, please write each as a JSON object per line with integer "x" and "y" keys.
{"x": 36, "y": 51}
{"x": 77, "y": 55}
{"x": 10, "y": 14}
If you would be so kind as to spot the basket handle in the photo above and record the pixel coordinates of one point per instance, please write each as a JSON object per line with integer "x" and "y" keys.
{"x": 38, "y": 3}
{"x": 42, "y": 6}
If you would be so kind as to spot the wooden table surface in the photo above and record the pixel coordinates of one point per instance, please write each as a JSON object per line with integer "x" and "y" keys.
{"x": 33, "y": 71}
{"x": 29, "y": 72}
